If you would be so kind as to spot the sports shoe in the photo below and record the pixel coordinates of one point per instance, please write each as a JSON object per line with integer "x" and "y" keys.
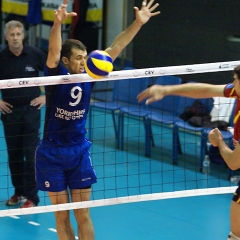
{"x": 28, "y": 204}
{"x": 15, "y": 200}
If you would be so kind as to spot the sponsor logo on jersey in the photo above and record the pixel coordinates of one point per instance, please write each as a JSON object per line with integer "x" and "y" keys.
{"x": 29, "y": 69}
{"x": 86, "y": 179}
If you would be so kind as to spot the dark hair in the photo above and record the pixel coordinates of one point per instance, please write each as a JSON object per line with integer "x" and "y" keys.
{"x": 69, "y": 44}
{"x": 237, "y": 71}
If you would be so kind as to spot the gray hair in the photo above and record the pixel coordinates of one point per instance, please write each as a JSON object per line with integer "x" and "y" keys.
{"x": 13, "y": 24}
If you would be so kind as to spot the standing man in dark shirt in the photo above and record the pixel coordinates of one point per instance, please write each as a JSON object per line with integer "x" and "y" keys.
{"x": 20, "y": 108}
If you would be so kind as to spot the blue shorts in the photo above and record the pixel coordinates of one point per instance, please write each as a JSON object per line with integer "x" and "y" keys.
{"x": 61, "y": 167}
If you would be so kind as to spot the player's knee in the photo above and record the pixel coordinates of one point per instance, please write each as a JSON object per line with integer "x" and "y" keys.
{"x": 82, "y": 215}
{"x": 232, "y": 236}
{"x": 62, "y": 217}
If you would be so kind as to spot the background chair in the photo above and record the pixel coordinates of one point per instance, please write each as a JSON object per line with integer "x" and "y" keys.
{"x": 163, "y": 111}
{"x": 124, "y": 94}
{"x": 202, "y": 132}
{"x": 181, "y": 125}
{"x": 131, "y": 105}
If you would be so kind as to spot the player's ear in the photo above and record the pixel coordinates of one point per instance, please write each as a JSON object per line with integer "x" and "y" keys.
{"x": 65, "y": 60}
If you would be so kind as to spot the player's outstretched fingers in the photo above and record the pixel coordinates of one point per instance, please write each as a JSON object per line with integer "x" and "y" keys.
{"x": 152, "y": 8}
{"x": 144, "y": 3}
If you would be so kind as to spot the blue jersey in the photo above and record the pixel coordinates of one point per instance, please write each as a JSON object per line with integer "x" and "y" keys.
{"x": 66, "y": 109}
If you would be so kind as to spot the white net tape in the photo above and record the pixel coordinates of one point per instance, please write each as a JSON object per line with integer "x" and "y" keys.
{"x": 117, "y": 75}
{"x": 119, "y": 200}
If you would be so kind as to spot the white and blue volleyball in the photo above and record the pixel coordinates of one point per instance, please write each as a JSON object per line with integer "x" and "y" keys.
{"x": 98, "y": 64}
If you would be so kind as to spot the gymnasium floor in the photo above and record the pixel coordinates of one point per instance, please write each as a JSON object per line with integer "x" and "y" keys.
{"x": 202, "y": 217}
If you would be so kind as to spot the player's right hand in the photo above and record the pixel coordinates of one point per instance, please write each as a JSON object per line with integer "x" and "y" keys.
{"x": 5, "y": 107}
{"x": 152, "y": 94}
{"x": 215, "y": 136}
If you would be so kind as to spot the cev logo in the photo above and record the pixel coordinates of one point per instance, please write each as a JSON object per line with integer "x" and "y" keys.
{"x": 149, "y": 72}
{"x": 24, "y": 82}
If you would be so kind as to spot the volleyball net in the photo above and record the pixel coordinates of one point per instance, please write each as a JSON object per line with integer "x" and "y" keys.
{"x": 125, "y": 174}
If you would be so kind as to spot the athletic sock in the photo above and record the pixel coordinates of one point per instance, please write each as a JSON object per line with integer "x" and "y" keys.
{"x": 231, "y": 236}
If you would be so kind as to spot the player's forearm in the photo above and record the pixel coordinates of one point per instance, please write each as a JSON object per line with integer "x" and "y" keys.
{"x": 55, "y": 39}
{"x": 231, "y": 158}
{"x": 123, "y": 39}
{"x": 196, "y": 90}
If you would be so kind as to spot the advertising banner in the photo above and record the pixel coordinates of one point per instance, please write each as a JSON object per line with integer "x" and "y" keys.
{"x": 94, "y": 12}
{"x": 20, "y": 7}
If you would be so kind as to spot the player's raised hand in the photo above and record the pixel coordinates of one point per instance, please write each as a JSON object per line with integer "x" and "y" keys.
{"x": 152, "y": 94}
{"x": 61, "y": 14}
{"x": 146, "y": 11}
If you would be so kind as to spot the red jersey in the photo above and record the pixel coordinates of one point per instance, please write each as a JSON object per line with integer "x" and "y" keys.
{"x": 229, "y": 91}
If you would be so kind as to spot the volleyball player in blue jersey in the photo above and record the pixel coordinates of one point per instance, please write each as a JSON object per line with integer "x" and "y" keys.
{"x": 63, "y": 164}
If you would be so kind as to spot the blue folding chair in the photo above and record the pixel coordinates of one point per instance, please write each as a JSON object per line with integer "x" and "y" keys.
{"x": 181, "y": 125}
{"x": 133, "y": 108}
{"x": 202, "y": 132}
{"x": 162, "y": 111}
{"x": 124, "y": 94}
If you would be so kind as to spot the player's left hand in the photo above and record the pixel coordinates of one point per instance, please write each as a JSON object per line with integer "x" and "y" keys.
{"x": 38, "y": 101}
{"x": 146, "y": 11}
{"x": 61, "y": 14}
{"x": 215, "y": 136}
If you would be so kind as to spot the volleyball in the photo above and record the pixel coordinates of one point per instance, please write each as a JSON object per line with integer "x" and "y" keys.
{"x": 98, "y": 64}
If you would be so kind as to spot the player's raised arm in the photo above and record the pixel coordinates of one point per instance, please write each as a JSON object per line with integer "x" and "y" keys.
{"x": 192, "y": 90}
{"x": 55, "y": 39}
{"x": 124, "y": 38}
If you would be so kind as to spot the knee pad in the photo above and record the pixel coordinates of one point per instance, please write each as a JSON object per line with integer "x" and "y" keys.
{"x": 231, "y": 236}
